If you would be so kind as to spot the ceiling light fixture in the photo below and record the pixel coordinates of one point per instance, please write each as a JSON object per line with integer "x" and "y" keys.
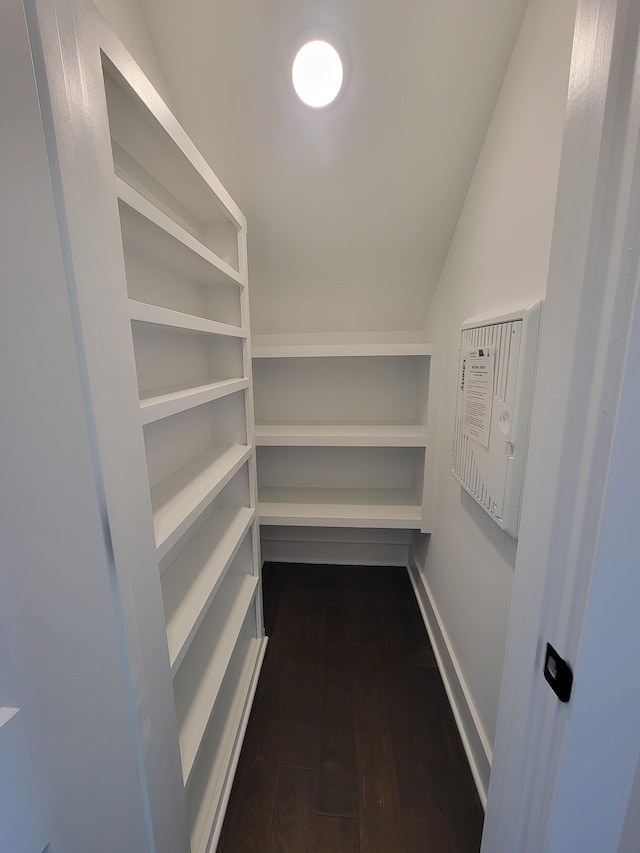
{"x": 317, "y": 73}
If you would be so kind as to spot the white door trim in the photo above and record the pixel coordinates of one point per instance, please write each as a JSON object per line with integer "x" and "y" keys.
{"x": 585, "y": 341}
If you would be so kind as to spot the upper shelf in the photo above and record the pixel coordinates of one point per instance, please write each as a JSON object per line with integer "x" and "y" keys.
{"x": 137, "y": 202}
{"x": 341, "y": 435}
{"x": 328, "y": 344}
{"x": 153, "y": 154}
{"x": 146, "y": 313}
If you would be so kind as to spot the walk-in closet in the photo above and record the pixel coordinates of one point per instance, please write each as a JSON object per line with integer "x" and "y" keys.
{"x": 273, "y": 348}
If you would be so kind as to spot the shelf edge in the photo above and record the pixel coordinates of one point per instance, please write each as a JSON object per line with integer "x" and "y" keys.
{"x": 187, "y": 520}
{"x": 288, "y": 514}
{"x": 204, "y": 609}
{"x": 332, "y": 437}
{"x": 154, "y": 411}
{"x": 142, "y": 206}
{"x": 145, "y": 312}
{"x": 233, "y": 630}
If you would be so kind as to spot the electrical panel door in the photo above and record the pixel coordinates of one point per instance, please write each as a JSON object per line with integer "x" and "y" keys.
{"x": 493, "y": 407}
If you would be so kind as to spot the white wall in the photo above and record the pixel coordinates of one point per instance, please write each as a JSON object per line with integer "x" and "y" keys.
{"x": 498, "y": 258}
{"x": 630, "y": 838}
{"x": 351, "y": 209}
{"x": 127, "y": 19}
{"x": 61, "y": 629}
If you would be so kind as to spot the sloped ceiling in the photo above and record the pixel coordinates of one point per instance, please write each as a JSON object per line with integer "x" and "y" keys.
{"x": 351, "y": 209}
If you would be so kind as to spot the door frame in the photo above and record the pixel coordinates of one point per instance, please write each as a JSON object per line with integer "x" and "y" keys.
{"x": 572, "y": 576}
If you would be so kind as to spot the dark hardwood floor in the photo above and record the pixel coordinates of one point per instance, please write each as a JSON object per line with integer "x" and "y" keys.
{"x": 351, "y": 745}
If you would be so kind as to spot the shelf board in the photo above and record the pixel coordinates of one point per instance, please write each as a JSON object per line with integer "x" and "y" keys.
{"x": 191, "y": 582}
{"x": 180, "y": 498}
{"x": 339, "y": 344}
{"x": 341, "y": 435}
{"x": 142, "y": 237}
{"x": 198, "y": 681}
{"x": 163, "y": 402}
{"x": 124, "y": 72}
{"x": 143, "y": 312}
{"x": 133, "y": 199}
{"x": 340, "y": 507}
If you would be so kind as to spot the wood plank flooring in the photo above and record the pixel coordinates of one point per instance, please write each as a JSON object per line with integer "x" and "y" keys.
{"x": 351, "y": 745}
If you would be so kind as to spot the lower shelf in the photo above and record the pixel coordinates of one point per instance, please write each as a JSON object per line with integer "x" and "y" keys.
{"x": 190, "y": 584}
{"x": 208, "y": 793}
{"x": 199, "y": 678}
{"x": 340, "y": 507}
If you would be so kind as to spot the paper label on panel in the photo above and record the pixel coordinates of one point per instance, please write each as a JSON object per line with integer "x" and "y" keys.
{"x": 476, "y": 384}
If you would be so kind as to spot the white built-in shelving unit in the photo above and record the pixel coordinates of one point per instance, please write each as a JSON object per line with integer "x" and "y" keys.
{"x": 184, "y": 253}
{"x": 342, "y": 428}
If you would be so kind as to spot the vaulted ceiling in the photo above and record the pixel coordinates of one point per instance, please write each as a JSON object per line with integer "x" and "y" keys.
{"x": 352, "y": 208}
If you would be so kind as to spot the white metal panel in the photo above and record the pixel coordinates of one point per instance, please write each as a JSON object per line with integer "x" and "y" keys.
{"x": 493, "y": 474}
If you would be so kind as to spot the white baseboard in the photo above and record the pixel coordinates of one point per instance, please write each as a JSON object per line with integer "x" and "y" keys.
{"x": 475, "y": 742}
{"x": 336, "y": 553}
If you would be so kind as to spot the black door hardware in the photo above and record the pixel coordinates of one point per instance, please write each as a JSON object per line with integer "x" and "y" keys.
{"x": 558, "y": 673}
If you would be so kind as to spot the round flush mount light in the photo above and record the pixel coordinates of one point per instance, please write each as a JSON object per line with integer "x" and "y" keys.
{"x": 317, "y": 73}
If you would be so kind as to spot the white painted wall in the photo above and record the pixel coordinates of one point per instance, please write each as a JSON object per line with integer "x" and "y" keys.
{"x": 498, "y": 259}
{"x": 127, "y": 19}
{"x": 61, "y": 624}
{"x": 630, "y": 838}
{"x": 350, "y": 209}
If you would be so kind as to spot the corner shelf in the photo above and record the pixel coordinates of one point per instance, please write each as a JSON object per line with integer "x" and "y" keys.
{"x": 338, "y": 345}
{"x": 362, "y": 390}
{"x": 341, "y": 435}
{"x": 180, "y": 498}
{"x": 388, "y": 508}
